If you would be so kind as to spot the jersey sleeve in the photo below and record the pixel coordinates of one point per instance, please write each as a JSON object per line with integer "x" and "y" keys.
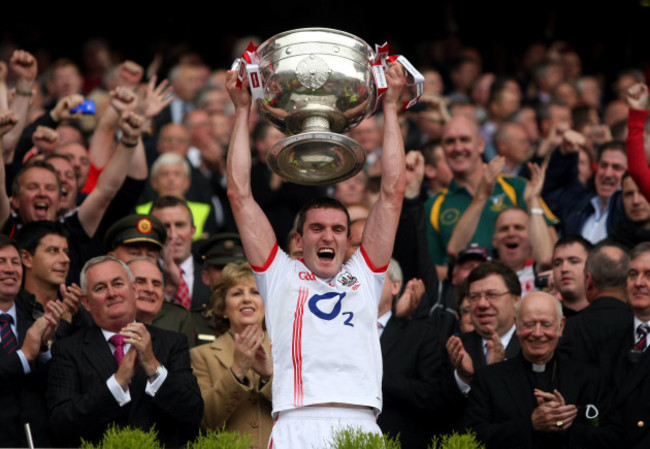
{"x": 636, "y": 158}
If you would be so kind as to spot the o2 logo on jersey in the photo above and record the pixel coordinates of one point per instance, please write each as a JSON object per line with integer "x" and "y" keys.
{"x": 327, "y": 299}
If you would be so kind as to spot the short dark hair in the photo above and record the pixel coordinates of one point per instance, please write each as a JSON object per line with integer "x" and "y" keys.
{"x": 324, "y": 202}
{"x": 5, "y": 241}
{"x": 570, "y": 239}
{"x": 486, "y": 269}
{"x": 15, "y": 184}
{"x": 31, "y": 234}
{"x": 166, "y": 201}
{"x": 615, "y": 145}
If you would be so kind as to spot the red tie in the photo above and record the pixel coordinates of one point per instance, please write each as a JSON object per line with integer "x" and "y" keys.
{"x": 183, "y": 294}
{"x": 117, "y": 340}
{"x": 9, "y": 342}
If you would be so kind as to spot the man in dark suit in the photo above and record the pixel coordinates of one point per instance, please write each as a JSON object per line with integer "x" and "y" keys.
{"x": 120, "y": 371}
{"x": 538, "y": 399}
{"x": 412, "y": 370}
{"x": 24, "y": 353}
{"x": 493, "y": 292}
{"x": 633, "y": 378}
{"x": 179, "y": 265}
{"x": 594, "y": 335}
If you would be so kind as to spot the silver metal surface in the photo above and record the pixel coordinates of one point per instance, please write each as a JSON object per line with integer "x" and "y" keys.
{"x": 318, "y": 86}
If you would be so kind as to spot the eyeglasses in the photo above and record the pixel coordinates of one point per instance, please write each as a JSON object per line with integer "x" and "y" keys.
{"x": 490, "y": 296}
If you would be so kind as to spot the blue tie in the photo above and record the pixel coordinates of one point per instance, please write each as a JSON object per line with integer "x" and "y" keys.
{"x": 9, "y": 341}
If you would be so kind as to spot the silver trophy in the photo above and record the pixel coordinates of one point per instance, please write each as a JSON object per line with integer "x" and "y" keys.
{"x": 317, "y": 85}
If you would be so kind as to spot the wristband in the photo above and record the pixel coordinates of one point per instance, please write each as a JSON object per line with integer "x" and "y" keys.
{"x": 128, "y": 144}
{"x": 536, "y": 211}
{"x": 24, "y": 93}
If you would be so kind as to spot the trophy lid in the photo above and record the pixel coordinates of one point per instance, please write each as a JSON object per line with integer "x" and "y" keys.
{"x": 315, "y": 34}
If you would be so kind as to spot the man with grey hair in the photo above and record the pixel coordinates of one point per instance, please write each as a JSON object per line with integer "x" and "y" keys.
{"x": 171, "y": 175}
{"x": 539, "y": 399}
{"x": 120, "y": 371}
{"x": 633, "y": 381}
{"x": 593, "y": 335}
{"x": 412, "y": 369}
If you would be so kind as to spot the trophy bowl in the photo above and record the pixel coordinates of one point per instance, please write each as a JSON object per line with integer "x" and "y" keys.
{"x": 318, "y": 85}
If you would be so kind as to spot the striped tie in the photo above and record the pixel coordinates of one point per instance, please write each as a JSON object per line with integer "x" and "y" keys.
{"x": 9, "y": 342}
{"x": 183, "y": 294}
{"x": 642, "y": 336}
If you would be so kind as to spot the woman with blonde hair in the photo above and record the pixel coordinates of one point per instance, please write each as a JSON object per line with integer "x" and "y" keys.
{"x": 234, "y": 372}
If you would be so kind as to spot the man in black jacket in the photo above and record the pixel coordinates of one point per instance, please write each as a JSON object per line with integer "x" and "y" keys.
{"x": 120, "y": 371}
{"x": 24, "y": 353}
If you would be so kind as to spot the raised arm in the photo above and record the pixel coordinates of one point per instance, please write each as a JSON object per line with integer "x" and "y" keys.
{"x": 258, "y": 237}
{"x": 7, "y": 121}
{"x": 94, "y": 206}
{"x": 542, "y": 235}
{"x": 637, "y": 99}
{"x": 24, "y": 66}
{"x": 465, "y": 229}
{"x": 379, "y": 232}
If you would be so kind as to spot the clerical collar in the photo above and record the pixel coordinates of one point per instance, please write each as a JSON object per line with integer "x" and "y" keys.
{"x": 538, "y": 368}
{"x": 542, "y": 368}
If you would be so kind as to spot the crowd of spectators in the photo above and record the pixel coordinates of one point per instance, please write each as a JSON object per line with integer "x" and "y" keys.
{"x": 523, "y": 173}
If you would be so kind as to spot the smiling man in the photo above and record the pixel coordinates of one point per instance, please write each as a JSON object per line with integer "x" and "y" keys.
{"x": 120, "y": 371}
{"x": 493, "y": 292}
{"x": 634, "y": 381}
{"x": 22, "y": 358}
{"x": 321, "y": 313}
{"x": 68, "y": 180}
{"x": 182, "y": 270}
{"x": 592, "y": 213}
{"x": 37, "y": 193}
{"x": 538, "y": 399}
{"x": 463, "y": 147}
{"x": 524, "y": 251}
{"x": 152, "y": 307}
{"x": 44, "y": 251}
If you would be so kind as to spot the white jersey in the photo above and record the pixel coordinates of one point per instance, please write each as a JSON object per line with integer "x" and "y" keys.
{"x": 527, "y": 279}
{"x": 323, "y": 333}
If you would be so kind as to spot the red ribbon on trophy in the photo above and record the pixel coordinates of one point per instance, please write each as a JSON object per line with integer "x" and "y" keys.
{"x": 247, "y": 66}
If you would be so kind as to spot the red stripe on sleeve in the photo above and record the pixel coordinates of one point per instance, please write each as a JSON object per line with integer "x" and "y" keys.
{"x": 370, "y": 264}
{"x": 268, "y": 262}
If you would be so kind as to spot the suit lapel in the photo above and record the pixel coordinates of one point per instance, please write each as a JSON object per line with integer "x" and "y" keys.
{"x": 23, "y": 322}
{"x": 391, "y": 334}
{"x": 473, "y": 344}
{"x": 224, "y": 349}
{"x": 98, "y": 353}
{"x": 27, "y": 310}
{"x": 517, "y": 385}
{"x": 513, "y": 347}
